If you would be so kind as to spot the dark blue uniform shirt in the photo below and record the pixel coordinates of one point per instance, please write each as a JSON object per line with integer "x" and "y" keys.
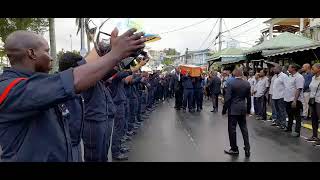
{"x": 32, "y": 125}
{"x": 118, "y": 91}
{"x": 187, "y": 82}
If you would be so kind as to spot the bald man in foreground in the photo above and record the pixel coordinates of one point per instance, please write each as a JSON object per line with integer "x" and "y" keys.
{"x": 32, "y": 121}
{"x": 238, "y": 104}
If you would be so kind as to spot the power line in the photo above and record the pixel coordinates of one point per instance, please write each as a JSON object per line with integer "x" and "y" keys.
{"x": 245, "y": 42}
{"x": 239, "y": 25}
{"x": 226, "y": 26}
{"x": 250, "y": 29}
{"x": 213, "y": 41}
{"x": 185, "y": 26}
{"x": 209, "y": 33}
{"x": 229, "y": 31}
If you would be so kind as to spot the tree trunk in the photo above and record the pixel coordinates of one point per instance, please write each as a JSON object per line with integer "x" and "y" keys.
{"x": 53, "y": 51}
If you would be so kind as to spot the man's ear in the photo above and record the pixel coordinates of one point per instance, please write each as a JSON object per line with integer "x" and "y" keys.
{"x": 31, "y": 54}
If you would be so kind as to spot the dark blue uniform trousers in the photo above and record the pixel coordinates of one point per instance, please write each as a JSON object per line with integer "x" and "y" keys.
{"x": 133, "y": 112}
{"x": 139, "y": 108}
{"x": 144, "y": 103}
{"x": 76, "y": 153}
{"x": 95, "y": 141}
{"x": 119, "y": 123}
{"x": 198, "y": 95}
{"x": 187, "y": 98}
{"x": 110, "y": 129}
{"x": 127, "y": 117}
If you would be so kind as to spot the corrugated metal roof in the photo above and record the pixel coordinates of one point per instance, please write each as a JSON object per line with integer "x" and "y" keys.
{"x": 284, "y": 40}
{"x": 290, "y": 50}
{"x": 228, "y": 53}
{"x": 229, "y": 62}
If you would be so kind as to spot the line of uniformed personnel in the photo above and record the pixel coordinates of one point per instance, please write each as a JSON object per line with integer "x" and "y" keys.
{"x": 188, "y": 91}
{"x": 44, "y": 117}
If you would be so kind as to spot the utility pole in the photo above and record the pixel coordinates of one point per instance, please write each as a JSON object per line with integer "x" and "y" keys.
{"x": 83, "y": 50}
{"x": 220, "y": 31}
{"x": 301, "y": 25}
{"x": 186, "y": 56}
{"x": 71, "y": 42}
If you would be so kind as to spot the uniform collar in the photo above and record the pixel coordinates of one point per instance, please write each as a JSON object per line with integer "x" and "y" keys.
{"x": 82, "y": 62}
{"x": 12, "y": 72}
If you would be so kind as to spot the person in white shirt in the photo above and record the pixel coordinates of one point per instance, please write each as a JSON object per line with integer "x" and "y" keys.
{"x": 252, "y": 81}
{"x": 272, "y": 76}
{"x": 278, "y": 90}
{"x": 254, "y": 94}
{"x": 260, "y": 94}
{"x": 315, "y": 108}
{"x": 293, "y": 97}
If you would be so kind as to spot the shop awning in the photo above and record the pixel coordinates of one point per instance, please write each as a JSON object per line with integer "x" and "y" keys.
{"x": 283, "y": 41}
{"x": 290, "y": 50}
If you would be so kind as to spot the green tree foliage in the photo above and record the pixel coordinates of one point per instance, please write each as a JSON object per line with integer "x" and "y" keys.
{"x": 9, "y": 25}
{"x": 171, "y": 52}
{"x": 167, "y": 61}
{"x": 60, "y": 53}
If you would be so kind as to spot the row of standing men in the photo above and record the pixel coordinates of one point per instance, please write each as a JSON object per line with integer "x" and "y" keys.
{"x": 113, "y": 110}
{"x": 45, "y": 117}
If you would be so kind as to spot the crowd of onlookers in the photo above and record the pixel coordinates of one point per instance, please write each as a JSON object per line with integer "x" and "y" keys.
{"x": 292, "y": 93}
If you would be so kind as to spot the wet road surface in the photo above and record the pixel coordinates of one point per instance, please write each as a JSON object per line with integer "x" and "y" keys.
{"x": 173, "y": 136}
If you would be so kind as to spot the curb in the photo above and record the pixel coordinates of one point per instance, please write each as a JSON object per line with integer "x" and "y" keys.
{"x": 305, "y": 125}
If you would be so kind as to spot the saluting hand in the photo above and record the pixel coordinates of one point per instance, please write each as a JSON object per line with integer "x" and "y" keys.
{"x": 127, "y": 44}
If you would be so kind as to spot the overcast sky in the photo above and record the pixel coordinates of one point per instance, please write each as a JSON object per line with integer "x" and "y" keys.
{"x": 192, "y": 37}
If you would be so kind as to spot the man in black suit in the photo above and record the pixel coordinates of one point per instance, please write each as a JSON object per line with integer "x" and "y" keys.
{"x": 178, "y": 90}
{"x": 214, "y": 85}
{"x": 237, "y": 92}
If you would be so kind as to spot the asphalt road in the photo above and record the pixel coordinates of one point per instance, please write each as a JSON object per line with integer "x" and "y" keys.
{"x": 173, "y": 136}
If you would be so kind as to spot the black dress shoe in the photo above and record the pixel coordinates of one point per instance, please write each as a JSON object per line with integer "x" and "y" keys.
{"x": 246, "y": 152}
{"x": 232, "y": 152}
{"x": 120, "y": 157}
{"x": 130, "y": 133}
{"x": 288, "y": 130}
{"x": 198, "y": 110}
{"x": 124, "y": 150}
{"x": 124, "y": 146}
{"x": 274, "y": 124}
{"x": 127, "y": 138}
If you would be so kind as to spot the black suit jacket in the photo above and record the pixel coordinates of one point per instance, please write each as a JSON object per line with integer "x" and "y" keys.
{"x": 238, "y": 97}
{"x": 215, "y": 85}
{"x": 177, "y": 84}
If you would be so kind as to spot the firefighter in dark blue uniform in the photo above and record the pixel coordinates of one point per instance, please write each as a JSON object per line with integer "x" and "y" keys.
{"x": 32, "y": 124}
{"x": 98, "y": 118}
{"x": 119, "y": 98}
{"x": 75, "y": 107}
{"x": 198, "y": 93}
{"x": 127, "y": 86}
{"x": 134, "y": 102}
{"x": 187, "y": 92}
{"x": 111, "y": 111}
{"x": 144, "y": 94}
